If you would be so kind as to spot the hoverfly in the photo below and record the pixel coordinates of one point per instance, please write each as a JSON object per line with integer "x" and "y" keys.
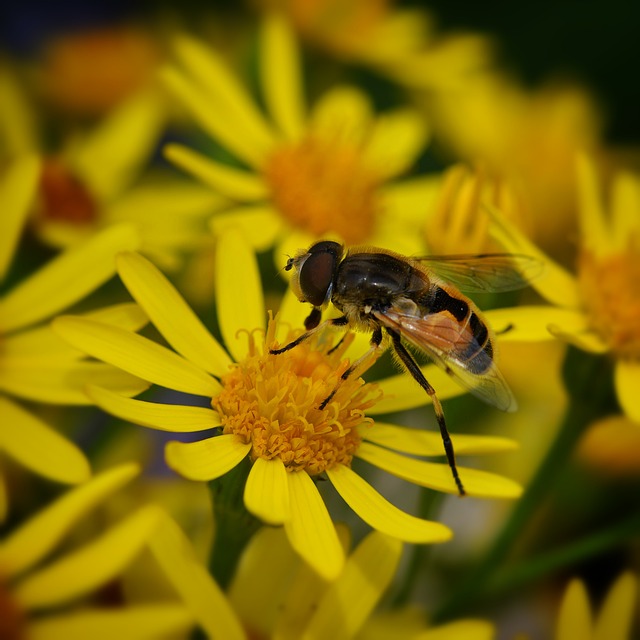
{"x": 416, "y": 301}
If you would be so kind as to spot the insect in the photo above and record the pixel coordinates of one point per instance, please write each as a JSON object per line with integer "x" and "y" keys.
{"x": 402, "y": 300}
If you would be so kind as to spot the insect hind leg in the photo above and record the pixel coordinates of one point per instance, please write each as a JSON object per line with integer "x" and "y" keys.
{"x": 414, "y": 370}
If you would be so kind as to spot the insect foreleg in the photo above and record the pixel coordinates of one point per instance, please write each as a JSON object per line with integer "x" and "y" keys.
{"x": 334, "y": 322}
{"x": 412, "y": 367}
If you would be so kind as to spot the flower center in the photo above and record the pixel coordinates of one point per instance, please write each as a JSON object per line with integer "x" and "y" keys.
{"x": 272, "y": 402}
{"x": 64, "y": 197}
{"x": 611, "y": 290}
{"x": 12, "y": 618}
{"x": 322, "y": 186}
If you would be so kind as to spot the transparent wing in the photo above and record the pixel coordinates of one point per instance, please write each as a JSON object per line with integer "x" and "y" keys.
{"x": 453, "y": 348}
{"x": 485, "y": 272}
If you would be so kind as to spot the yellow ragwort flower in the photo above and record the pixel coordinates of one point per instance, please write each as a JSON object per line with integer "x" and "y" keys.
{"x": 598, "y": 309}
{"x": 267, "y": 407}
{"x": 28, "y": 592}
{"x": 326, "y": 171}
{"x": 35, "y": 365}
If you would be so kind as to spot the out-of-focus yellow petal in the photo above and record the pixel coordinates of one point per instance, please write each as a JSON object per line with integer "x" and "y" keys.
{"x": 199, "y": 592}
{"x": 171, "y": 315}
{"x": 260, "y": 224}
{"x": 266, "y": 493}
{"x": 480, "y": 484}
{"x": 380, "y": 514}
{"x": 18, "y": 128}
{"x": 206, "y": 459}
{"x": 627, "y": 382}
{"x": 348, "y": 602}
{"x": 396, "y": 141}
{"x": 155, "y": 415}
{"x": 617, "y": 613}
{"x": 239, "y": 296}
{"x": 17, "y": 192}
{"x": 574, "y": 618}
{"x": 39, "y": 447}
{"x": 460, "y": 630}
{"x": 4, "y": 498}
{"x": 90, "y": 566}
{"x": 402, "y": 392}
{"x": 429, "y": 443}
{"x": 310, "y": 529}
{"x": 137, "y": 355}
{"x": 40, "y": 535}
{"x": 625, "y": 209}
{"x": 237, "y": 184}
{"x": 596, "y": 235}
{"x": 66, "y": 279}
{"x": 282, "y": 89}
{"x": 115, "y": 152}
{"x": 64, "y": 382}
{"x": 143, "y": 622}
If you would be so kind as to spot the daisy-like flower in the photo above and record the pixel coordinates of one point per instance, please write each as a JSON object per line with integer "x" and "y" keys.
{"x": 29, "y": 591}
{"x": 326, "y": 171}
{"x": 97, "y": 178}
{"x": 615, "y": 619}
{"x": 35, "y": 365}
{"x": 268, "y": 409}
{"x": 601, "y": 303}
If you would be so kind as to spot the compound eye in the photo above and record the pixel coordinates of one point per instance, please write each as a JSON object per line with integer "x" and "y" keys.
{"x": 316, "y": 276}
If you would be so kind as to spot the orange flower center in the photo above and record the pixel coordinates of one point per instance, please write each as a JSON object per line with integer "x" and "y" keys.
{"x": 611, "y": 290}
{"x": 12, "y": 618}
{"x": 272, "y": 402}
{"x": 64, "y": 197}
{"x": 323, "y": 186}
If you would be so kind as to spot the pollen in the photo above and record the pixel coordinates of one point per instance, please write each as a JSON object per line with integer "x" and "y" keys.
{"x": 323, "y": 185}
{"x": 64, "y": 198}
{"x": 272, "y": 402}
{"x": 611, "y": 291}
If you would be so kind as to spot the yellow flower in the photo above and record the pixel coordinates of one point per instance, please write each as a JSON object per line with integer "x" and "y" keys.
{"x": 615, "y": 620}
{"x": 97, "y": 178}
{"x": 28, "y": 591}
{"x": 267, "y": 407}
{"x": 326, "y": 171}
{"x": 598, "y": 309}
{"x": 35, "y": 365}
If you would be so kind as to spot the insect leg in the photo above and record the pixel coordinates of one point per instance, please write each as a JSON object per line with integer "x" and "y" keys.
{"x": 412, "y": 367}
{"x": 334, "y": 322}
{"x": 376, "y": 339}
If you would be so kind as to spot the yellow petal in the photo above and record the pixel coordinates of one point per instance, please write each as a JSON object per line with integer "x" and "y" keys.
{"x": 585, "y": 338}
{"x": 438, "y": 476}
{"x": 396, "y": 141}
{"x": 143, "y": 622}
{"x": 429, "y": 443}
{"x": 349, "y": 601}
{"x": 401, "y": 392}
{"x": 201, "y": 595}
{"x": 171, "y": 315}
{"x": 574, "y": 618}
{"x": 282, "y": 89}
{"x": 92, "y": 565}
{"x": 592, "y": 218}
{"x": 266, "y": 493}
{"x": 625, "y": 210}
{"x": 137, "y": 355}
{"x": 66, "y": 279}
{"x": 39, "y": 447}
{"x": 627, "y": 382}
{"x": 64, "y": 382}
{"x": 206, "y": 459}
{"x": 41, "y": 534}
{"x": 291, "y": 315}
{"x": 380, "y": 514}
{"x": 555, "y": 283}
{"x": 234, "y": 183}
{"x": 617, "y": 613}
{"x": 240, "y": 301}
{"x": 310, "y": 530}
{"x": 260, "y": 224}
{"x": 111, "y": 156}
{"x": 460, "y": 630}
{"x": 156, "y": 415}
{"x": 18, "y": 186}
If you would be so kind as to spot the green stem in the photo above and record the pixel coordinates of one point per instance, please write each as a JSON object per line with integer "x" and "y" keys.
{"x": 234, "y": 525}
{"x": 588, "y": 382}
